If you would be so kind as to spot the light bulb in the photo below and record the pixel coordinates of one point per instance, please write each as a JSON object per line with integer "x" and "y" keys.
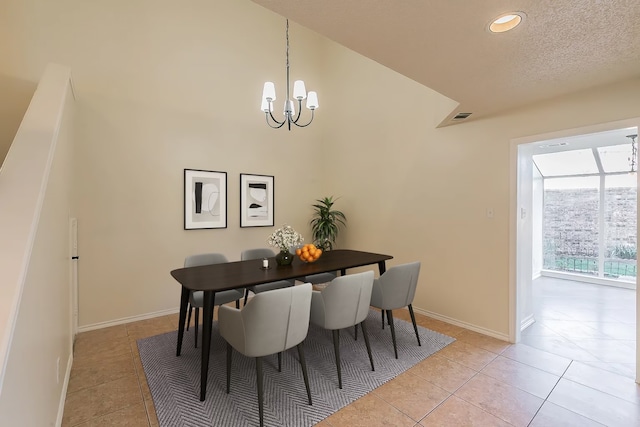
{"x": 289, "y": 108}
{"x": 265, "y": 105}
{"x": 312, "y": 100}
{"x": 269, "y": 91}
{"x": 299, "y": 91}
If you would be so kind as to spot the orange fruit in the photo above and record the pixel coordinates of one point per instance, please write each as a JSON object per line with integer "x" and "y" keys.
{"x": 298, "y": 251}
{"x": 317, "y": 254}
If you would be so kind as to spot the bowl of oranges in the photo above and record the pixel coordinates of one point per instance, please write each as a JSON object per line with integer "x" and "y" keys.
{"x": 309, "y": 253}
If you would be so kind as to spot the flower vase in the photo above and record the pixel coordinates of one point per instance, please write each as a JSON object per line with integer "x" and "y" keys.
{"x": 284, "y": 258}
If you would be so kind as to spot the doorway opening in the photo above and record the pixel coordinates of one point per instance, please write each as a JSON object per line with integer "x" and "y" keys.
{"x": 574, "y": 228}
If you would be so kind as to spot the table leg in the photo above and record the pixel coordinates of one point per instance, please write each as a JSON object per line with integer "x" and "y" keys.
{"x": 184, "y": 302}
{"x": 207, "y": 315}
{"x": 382, "y": 267}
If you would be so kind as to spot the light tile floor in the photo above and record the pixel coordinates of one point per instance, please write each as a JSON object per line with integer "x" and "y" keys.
{"x": 591, "y": 324}
{"x": 476, "y": 381}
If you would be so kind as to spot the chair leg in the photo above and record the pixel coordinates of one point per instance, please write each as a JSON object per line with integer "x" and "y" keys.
{"x": 366, "y": 341}
{"x": 196, "y": 321}
{"x": 246, "y": 296}
{"x": 260, "y": 389}
{"x": 336, "y": 348}
{"x": 189, "y": 310}
{"x": 304, "y": 371}
{"x": 280, "y": 362}
{"x": 382, "y": 312}
{"x": 238, "y": 304}
{"x": 355, "y": 328}
{"x": 229, "y": 350}
{"x": 393, "y": 332}
{"x": 415, "y": 327}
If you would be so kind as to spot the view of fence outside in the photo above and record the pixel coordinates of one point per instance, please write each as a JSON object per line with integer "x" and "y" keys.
{"x": 571, "y": 229}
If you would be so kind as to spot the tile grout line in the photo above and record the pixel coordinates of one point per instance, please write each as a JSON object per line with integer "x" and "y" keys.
{"x": 476, "y": 406}
{"x": 549, "y": 394}
{"x": 467, "y": 381}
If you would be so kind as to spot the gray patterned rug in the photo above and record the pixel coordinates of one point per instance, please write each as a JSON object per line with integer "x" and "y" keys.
{"x": 175, "y": 381}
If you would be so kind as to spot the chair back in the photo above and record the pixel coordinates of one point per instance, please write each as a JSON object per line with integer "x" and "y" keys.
{"x": 204, "y": 259}
{"x": 396, "y": 288}
{"x": 271, "y": 322}
{"x": 257, "y": 253}
{"x": 344, "y": 302}
{"x": 196, "y": 297}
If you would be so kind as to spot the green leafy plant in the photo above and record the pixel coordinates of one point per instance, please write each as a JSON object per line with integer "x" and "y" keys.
{"x": 625, "y": 252}
{"x": 326, "y": 223}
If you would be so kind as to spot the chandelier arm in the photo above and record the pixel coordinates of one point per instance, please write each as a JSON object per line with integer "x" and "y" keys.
{"x": 299, "y": 111}
{"x": 307, "y": 124}
{"x": 280, "y": 124}
{"x": 270, "y": 114}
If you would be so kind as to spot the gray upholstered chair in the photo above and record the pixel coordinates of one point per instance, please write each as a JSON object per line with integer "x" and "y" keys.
{"x": 260, "y": 253}
{"x": 342, "y": 304}
{"x": 270, "y": 323}
{"x": 393, "y": 290}
{"x": 196, "y": 299}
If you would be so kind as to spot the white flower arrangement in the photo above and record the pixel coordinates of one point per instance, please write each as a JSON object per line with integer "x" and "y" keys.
{"x": 285, "y": 238}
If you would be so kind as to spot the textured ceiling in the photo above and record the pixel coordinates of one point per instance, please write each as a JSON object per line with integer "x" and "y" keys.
{"x": 562, "y": 46}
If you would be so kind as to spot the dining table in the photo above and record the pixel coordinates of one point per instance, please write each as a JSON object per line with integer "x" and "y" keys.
{"x": 239, "y": 274}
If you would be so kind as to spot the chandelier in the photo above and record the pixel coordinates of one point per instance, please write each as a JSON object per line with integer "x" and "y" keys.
{"x": 633, "y": 160}
{"x": 299, "y": 93}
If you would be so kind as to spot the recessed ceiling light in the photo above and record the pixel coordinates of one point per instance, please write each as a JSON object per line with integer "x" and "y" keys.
{"x": 506, "y": 22}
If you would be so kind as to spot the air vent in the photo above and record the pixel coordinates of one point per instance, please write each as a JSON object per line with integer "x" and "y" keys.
{"x": 461, "y": 116}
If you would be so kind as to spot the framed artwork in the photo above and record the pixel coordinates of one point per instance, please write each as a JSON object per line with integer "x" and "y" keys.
{"x": 256, "y": 200}
{"x": 205, "y": 199}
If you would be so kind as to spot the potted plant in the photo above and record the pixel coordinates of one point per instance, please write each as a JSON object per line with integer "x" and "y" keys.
{"x": 326, "y": 222}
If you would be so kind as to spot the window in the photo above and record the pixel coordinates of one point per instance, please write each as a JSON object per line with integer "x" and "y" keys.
{"x": 589, "y": 205}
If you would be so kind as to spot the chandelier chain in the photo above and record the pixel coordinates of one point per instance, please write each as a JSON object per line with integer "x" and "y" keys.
{"x": 287, "y": 53}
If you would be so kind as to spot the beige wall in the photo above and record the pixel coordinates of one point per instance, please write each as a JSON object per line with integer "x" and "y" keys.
{"x": 165, "y": 86}
{"x": 421, "y": 193}
{"x": 17, "y": 94}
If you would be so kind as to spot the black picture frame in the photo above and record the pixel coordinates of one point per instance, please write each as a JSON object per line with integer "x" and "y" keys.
{"x": 257, "y": 200}
{"x": 205, "y": 199}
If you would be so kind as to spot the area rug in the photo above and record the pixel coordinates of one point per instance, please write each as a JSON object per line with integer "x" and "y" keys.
{"x": 175, "y": 381}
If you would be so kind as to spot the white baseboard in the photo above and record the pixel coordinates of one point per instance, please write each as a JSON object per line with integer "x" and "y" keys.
{"x": 479, "y": 329}
{"x": 526, "y": 322}
{"x": 124, "y": 320}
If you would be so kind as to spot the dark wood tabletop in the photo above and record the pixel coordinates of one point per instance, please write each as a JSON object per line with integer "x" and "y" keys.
{"x": 239, "y": 274}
